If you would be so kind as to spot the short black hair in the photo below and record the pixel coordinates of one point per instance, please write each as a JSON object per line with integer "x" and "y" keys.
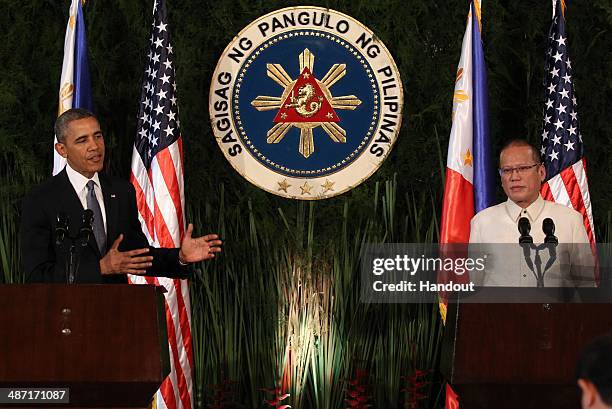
{"x": 521, "y": 142}
{"x": 595, "y": 365}
{"x": 62, "y": 121}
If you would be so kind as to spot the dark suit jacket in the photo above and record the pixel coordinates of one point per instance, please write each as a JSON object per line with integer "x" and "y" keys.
{"x": 44, "y": 261}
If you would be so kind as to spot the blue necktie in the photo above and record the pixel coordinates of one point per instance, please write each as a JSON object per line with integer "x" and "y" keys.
{"x": 98, "y": 222}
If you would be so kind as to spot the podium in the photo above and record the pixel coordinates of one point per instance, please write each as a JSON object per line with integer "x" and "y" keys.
{"x": 519, "y": 355}
{"x": 106, "y": 343}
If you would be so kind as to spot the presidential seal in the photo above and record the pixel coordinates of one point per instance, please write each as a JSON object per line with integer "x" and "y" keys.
{"x": 306, "y": 102}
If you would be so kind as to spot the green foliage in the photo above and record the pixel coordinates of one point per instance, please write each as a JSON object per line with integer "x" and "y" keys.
{"x": 281, "y": 307}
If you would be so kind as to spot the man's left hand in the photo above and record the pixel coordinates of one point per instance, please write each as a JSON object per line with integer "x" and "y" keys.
{"x": 200, "y": 248}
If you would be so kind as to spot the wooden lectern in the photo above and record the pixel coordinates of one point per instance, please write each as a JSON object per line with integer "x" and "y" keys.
{"x": 519, "y": 355}
{"x": 106, "y": 343}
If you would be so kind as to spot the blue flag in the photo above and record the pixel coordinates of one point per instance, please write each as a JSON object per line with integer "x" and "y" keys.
{"x": 75, "y": 83}
{"x": 484, "y": 175}
{"x": 81, "y": 78}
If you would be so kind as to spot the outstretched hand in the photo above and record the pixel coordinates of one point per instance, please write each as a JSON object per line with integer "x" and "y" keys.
{"x": 125, "y": 262}
{"x": 200, "y": 248}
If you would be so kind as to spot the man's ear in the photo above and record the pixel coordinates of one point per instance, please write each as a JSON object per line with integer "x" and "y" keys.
{"x": 542, "y": 173}
{"x": 589, "y": 393}
{"x": 61, "y": 149}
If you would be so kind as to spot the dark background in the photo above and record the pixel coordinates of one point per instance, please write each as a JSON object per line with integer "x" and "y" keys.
{"x": 423, "y": 36}
{"x": 277, "y": 251}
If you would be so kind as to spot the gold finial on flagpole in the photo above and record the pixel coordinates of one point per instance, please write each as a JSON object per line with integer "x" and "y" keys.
{"x": 478, "y": 14}
{"x": 563, "y": 7}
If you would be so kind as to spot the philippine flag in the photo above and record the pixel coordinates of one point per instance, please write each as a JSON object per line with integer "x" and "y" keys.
{"x": 75, "y": 82}
{"x": 470, "y": 178}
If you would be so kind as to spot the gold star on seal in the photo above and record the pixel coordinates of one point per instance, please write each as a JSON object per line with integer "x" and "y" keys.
{"x": 306, "y": 188}
{"x": 328, "y": 185}
{"x": 306, "y": 75}
{"x": 283, "y": 185}
{"x": 468, "y": 158}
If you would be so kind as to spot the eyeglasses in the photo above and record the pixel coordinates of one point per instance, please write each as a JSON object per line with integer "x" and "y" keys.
{"x": 521, "y": 170}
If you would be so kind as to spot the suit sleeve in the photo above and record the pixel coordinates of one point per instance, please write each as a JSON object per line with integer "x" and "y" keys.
{"x": 165, "y": 260}
{"x": 39, "y": 261}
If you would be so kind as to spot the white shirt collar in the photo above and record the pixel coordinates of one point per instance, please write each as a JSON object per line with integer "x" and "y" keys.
{"x": 532, "y": 211}
{"x": 79, "y": 181}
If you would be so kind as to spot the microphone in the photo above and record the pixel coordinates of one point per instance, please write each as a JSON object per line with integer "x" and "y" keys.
{"x": 61, "y": 228}
{"x": 86, "y": 230}
{"x": 524, "y": 228}
{"x": 548, "y": 227}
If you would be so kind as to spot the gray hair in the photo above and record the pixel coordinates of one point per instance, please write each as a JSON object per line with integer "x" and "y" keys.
{"x": 62, "y": 121}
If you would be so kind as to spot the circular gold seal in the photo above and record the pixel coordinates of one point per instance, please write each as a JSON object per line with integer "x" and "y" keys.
{"x": 306, "y": 102}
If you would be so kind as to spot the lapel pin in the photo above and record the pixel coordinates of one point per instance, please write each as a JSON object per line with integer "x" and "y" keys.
{"x": 112, "y": 195}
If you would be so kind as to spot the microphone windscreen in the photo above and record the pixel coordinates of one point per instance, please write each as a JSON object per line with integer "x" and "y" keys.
{"x": 62, "y": 220}
{"x": 61, "y": 228}
{"x": 87, "y": 218}
{"x": 548, "y": 226}
{"x": 524, "y": 226}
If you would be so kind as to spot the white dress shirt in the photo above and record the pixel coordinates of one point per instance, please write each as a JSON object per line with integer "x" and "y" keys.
{"x": 506, "y": 265}
{"x": 79, "y": 183}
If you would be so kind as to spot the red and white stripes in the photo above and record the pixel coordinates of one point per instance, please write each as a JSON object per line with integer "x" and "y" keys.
{"x": 161, "y": 207}
{"x": 570, "y": 188}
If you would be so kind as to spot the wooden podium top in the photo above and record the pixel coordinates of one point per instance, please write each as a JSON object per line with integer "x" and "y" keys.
{"x": 519, "y": 355}
{"x": 106, "y": 342}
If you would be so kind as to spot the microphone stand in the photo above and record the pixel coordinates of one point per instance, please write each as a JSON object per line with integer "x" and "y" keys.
{"x": 526, "y": 243}
{"x": 76, "y": 244}
{"x": 538, "y": 264}
{"x": 550, "y": 243}
{"x": 74, "y": 260}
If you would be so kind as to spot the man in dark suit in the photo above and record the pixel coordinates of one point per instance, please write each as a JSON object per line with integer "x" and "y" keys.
{"x": 115, "y": 218}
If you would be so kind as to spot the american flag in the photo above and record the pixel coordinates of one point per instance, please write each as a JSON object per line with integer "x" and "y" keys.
{"x": 562, "y": 144}
{"x": 157, "y": 176}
